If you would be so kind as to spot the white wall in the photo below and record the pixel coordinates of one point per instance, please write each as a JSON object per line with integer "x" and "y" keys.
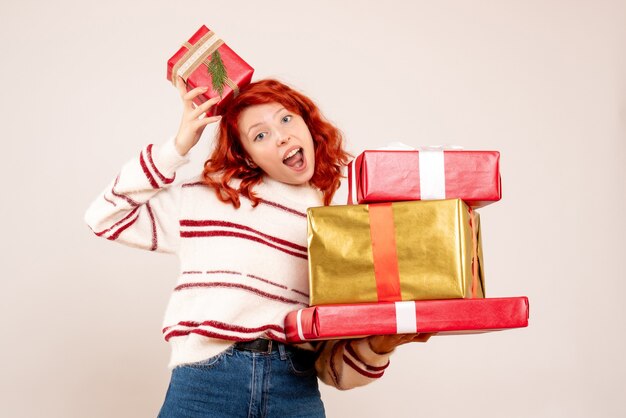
{"x": 84, "y": 89}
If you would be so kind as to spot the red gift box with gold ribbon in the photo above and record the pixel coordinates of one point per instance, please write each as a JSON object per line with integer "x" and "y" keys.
{"x": 453, "y": 316}
{"x": 389, "y": 175}
{"x": 205, "y": 60}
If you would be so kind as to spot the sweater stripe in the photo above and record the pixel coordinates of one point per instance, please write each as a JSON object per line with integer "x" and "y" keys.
{"x": 205, "y": 333}
{"x": 237, "y": 273}
{"x": 258, "y": 292}
{"x": 280, "y": 338}
{"x": 354, "y": 355}
{"x": 201, "y": 234}
{"x": 122, "y": 196}
{"x": 195, "y": 327}
{"x": 285, "y": 208}
{"x": 222, "y": 272}
{"x": 117, "y": 223}
{"x": 213, "y": 272}
{"x": 147, "y": 172}
{"x": 109, "y": 200}
{"x": 365, "y": 373}
{"x": 117, "y": 233}
{"x": 195, "y": 183}
{"x": 251, "y": 276}
{"x": 208, "y": 222}
{"x": 226, "y": 327}
{"x": 155, "y": 169}
{"x": 222, "y": 336}
{"x": 154, "y": 231}
{"x": 333, "y": 370}
{"x": 300, "y": 293}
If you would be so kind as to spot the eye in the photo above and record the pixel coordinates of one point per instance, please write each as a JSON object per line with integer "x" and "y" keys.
{"x": 259, "y": 136}
{"x": 287, "y": 118}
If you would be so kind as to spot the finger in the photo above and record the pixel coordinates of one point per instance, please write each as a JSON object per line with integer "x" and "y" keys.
{"x": 206, "y": 121}
{"x": 193, "y": 93}
{"x": 204, "y": 107}
{"x": 181, "y": 85}
{"x": 408, "y": 338}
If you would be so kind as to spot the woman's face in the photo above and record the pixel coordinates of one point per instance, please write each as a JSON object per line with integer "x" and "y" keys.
{"x": 278, "y": 141}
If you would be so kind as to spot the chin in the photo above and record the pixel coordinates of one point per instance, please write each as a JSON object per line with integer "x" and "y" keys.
{"x": 298, "y": 180}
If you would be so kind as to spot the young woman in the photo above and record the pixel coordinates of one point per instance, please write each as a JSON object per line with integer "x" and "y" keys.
{"x": 239, "y": 229}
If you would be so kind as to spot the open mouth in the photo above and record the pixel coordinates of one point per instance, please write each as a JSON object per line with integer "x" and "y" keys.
{"x": 294, "y": 158}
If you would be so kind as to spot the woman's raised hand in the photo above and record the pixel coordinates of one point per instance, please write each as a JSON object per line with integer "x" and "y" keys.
{"x": 191, "y": 127}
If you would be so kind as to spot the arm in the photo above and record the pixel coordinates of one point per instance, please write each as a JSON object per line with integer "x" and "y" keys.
{"x": 346, "y": 364}
{"x": 139, "y": 208}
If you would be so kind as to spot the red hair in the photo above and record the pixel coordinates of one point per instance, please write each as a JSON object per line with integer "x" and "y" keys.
{"x": 228, "y": 159}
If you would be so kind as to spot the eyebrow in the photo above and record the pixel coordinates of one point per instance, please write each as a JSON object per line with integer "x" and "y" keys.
{"x": 260, "y": 123}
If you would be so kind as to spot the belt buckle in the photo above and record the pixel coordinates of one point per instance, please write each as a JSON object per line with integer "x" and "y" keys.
{"x": 269, "y": 347}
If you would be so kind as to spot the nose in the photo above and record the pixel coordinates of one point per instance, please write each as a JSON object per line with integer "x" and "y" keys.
{"x": 283, "y": 138}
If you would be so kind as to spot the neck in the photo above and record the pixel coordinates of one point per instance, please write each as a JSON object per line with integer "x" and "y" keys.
{"x": 304, "y": 194}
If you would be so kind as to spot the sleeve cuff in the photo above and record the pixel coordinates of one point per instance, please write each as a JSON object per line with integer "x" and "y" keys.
{"x": 167, "y": 159}
{"x": 367, "y": 356}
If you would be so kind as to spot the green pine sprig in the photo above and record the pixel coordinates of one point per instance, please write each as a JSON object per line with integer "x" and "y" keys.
{"x": 217, "y": 70}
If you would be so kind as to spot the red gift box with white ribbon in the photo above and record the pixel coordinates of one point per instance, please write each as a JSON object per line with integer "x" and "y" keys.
{"x": 401, "y": 173}
{"x": 450, "y": 316}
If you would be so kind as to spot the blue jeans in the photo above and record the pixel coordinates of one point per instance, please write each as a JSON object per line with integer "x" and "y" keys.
{"x": 281, "y": 384}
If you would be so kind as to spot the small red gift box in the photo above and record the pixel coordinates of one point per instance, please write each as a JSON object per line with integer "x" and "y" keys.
{"x": 450, "y": 316}
{"x": 429, "y": 174}
{"x": 205, "y": 60}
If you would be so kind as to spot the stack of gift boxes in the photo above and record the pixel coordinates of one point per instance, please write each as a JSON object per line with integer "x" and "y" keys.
{"x": 405, "y": 255}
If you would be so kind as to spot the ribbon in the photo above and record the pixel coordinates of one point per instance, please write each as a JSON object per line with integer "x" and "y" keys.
{"x": 197, "y": 55}
{"x": 474, "y": 253}
{"x": 385, "y": 256}
{"x": 432, "y": 175}
{"x": 305, "y": 319}
{"x": 299, "y": 322}
{"x": 433, "y": 171}
{"x": 406, "y": 319}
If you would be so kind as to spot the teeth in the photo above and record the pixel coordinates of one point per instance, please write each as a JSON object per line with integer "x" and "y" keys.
{"x": 292, "y": 153}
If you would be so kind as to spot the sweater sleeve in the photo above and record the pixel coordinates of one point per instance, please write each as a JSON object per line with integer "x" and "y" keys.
{"x": 139, "y": 207}
{"x": 346, "y": 364}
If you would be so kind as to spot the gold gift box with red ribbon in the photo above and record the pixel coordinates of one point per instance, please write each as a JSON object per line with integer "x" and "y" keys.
{"x": 387, "y": 252}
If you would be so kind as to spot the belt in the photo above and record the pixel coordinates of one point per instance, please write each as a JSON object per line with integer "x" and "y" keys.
{"x": 260, "y": 345}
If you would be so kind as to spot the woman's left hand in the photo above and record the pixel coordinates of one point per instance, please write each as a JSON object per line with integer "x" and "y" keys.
{"x": 383, "y": 344}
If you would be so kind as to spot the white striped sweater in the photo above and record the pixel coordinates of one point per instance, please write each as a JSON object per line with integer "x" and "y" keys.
{"x": 241, "y": 270}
